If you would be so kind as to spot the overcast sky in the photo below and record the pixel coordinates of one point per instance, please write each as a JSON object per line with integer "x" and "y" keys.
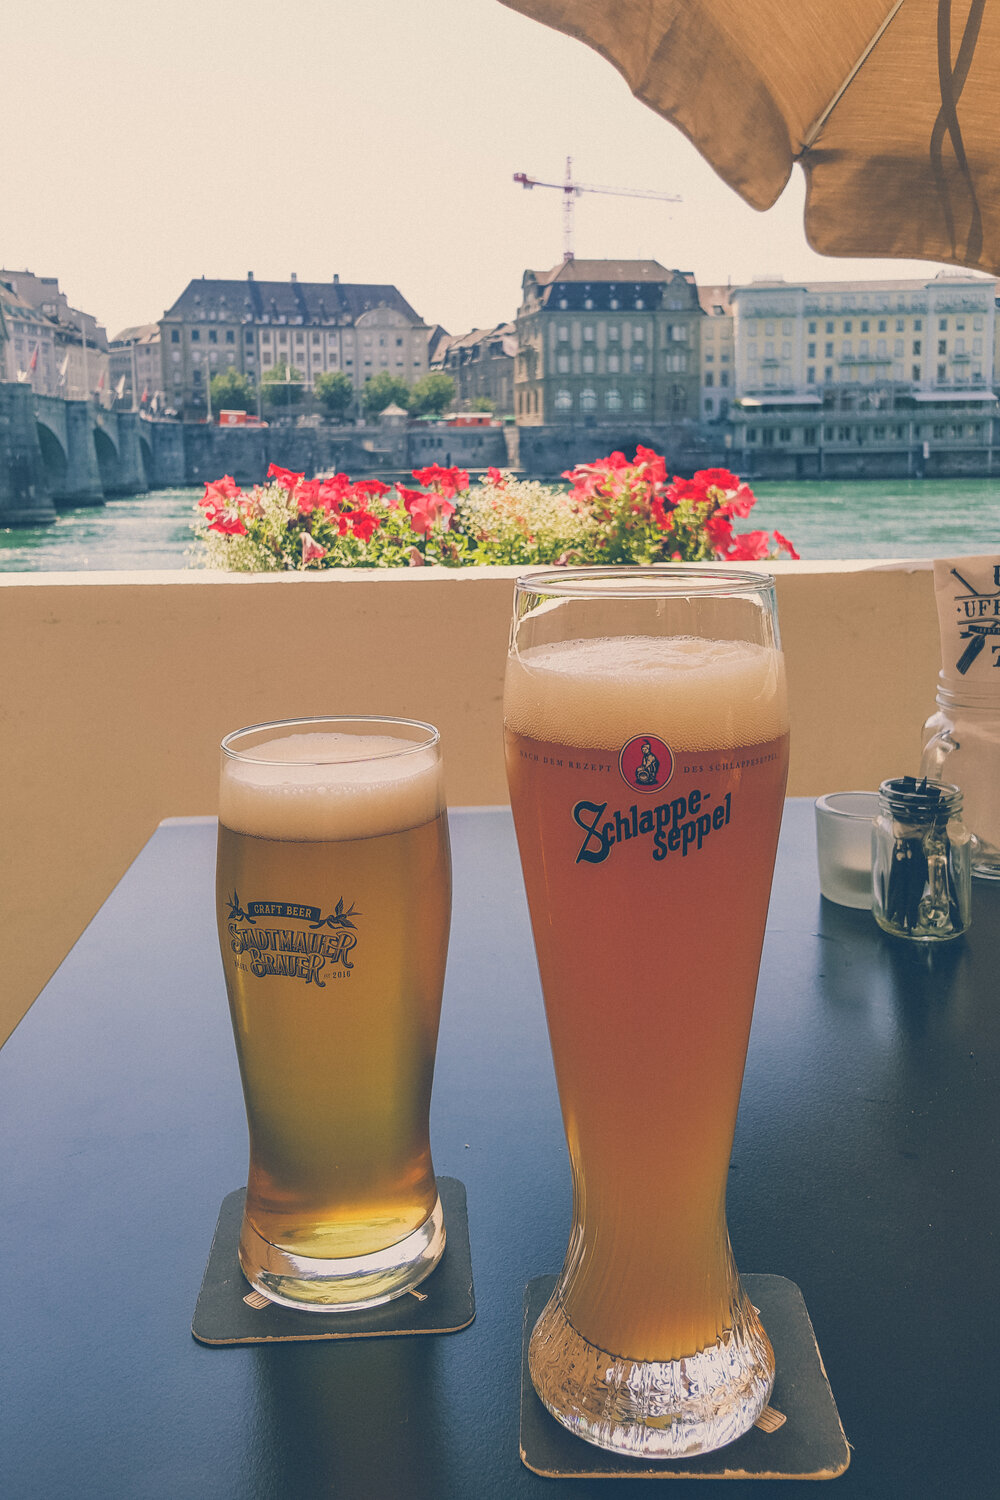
{"x": 145, "y": 144}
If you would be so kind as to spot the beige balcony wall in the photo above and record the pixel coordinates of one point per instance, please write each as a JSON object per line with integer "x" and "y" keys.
{"x": 116, "y": 689}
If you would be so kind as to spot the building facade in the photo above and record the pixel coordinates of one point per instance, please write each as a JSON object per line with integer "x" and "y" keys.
{"x": 718, "y": 354}
{"x": 78, "y": 343}
{"x": 308, "y": 327}
{"x": 135, "y": 368}
{"x": 864, "y": 375}
{"x": 600, "y": 341}
{"x": 481, "y": 363}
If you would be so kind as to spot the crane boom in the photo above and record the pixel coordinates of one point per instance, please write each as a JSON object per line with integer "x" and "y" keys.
{"x": 572, "y": 190}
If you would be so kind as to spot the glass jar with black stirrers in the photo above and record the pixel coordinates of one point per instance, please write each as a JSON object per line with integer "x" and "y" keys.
{"x": 921, "y": 872}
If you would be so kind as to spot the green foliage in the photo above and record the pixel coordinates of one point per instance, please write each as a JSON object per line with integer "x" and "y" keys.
{"x": 232, "y": 391}
{"x": 481, "y": 403}
{"x": 384, "y": 390}
{"x": 282, "y": 387}
{"x": 334, "y": 391}
{"x": 432, "y": 395}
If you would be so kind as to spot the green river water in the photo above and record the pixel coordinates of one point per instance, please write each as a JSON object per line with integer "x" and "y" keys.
{"x": 830, "y": 519}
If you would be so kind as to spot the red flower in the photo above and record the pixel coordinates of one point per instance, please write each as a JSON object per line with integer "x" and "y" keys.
{"x": 283, "y": 477}
{"x": 427, "y": 509}
{"x": 307, "y": 495}
{"x": 369, "y": 487}
{"x": 495, "y": 477}
{"x": 749, "y": 546}
{"x": 332, "y": 490}
{"x": 686, "y": 489}
{"x": 721, "y": 479}
{"x": 225, "y": 488}
{"x": 363, "y": 524}
{"x": 786, "y": 546}
{"x": 654, "y": 464}
{"x": 409, "y": 497}
{"x": 719, "y": 529}
{"x": 447, "y": 482}
{"x": 311, "y": 549}
{"x": 742, "y": 502}
{"x": 228, "y": 522}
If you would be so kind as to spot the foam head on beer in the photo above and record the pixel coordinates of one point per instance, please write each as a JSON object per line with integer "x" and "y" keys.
{"x": 313, "y": 786}
{"x": 697, "y": 693}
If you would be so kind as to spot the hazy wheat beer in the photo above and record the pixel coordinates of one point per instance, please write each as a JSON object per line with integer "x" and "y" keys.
{"x": 646, "y": 774}
{"x": 334, "y": 898}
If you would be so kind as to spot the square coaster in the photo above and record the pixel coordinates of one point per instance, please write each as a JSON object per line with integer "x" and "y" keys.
{"x": 798, "y": 1436}
{"x": 228, "y": 1310}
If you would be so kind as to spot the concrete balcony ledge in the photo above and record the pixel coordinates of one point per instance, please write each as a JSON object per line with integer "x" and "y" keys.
{"x": 117, "y": 688}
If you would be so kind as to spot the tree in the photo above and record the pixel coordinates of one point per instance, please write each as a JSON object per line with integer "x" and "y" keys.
{"x": 384, "y": 390}
{"x": 432, "y": 396}
{"x": 481, "y": 403}
{"x": 334, "y": 391}
{"x": 231, "y": 391}
{"x": 281, "y": 387}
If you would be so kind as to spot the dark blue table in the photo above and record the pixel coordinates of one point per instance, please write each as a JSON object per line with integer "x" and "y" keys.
{"x": 864, "y": 1168}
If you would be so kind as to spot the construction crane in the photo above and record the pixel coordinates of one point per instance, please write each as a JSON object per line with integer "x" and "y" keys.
{"x": 572, "y": 190}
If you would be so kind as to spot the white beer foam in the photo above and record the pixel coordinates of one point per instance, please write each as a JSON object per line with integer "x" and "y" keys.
{"x": 313, "y": 786}
{"x": 694, "y": 694}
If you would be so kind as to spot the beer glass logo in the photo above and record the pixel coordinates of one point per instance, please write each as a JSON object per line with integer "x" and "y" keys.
{"x": 646, "y": 763}
{"x": 292, "y": 951}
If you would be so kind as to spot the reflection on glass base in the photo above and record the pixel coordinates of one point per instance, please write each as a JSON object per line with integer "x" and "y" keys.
{"x": 653, "y": 1409}
{"x": 342, "y": 1285}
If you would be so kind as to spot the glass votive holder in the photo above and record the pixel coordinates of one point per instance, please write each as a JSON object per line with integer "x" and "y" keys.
{"x": 844, "y": 822}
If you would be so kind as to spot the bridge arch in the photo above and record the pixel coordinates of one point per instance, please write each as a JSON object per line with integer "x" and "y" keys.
{"x": 54, "y": 461}
{"x": 146, "y": 453}
{"x": 108, "y": 463}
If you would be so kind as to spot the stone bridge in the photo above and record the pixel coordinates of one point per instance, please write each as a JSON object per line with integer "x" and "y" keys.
{"x": 58, "y": 453}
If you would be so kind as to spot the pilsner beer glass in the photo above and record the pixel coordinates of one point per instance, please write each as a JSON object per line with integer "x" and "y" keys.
{"x": 334, "y": 899}
{"x": 646, "y": 739}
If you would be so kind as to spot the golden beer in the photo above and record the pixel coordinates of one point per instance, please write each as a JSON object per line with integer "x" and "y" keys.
{"x": 333, "y": 888}
{"x": 646, "y": 775}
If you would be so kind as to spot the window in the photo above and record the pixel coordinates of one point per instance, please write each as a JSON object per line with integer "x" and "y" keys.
{"x": 828, "y": 373}
{"x": 638, "y": 334}
{"x": 942, "y": 346}
{"x": 786, "y": 327}
{"x": 917, "y": 346}
{"x": 638, "y": 361}
{"x": 769, "y": 349}
{"x": 810, "y": 351}
{"x": 267, "y": 359}
{"x": 918, "y": 325}
{"x": 588, "y": 364}
{"x": 213, "y": 337}
{"x": 829, "y": 327}
{"x": 588, "y": 399}
{"x": 562, "y": 364}
{"x": 845, "y": 349}
{"x": 588, "y": 332}
{"x": 678, "y": 332}
{"x": 784, "y": 434}
{"x": 828, "y": 349}
{"x": 723, "y": 377}
{"x": 863, "y": 347}
{"x": 943, "y": 325}
{"x": 175, "y": 335}
{"x": 786, "y": 350}
{"x": 195, "y": 335}
{"x": 266, "y": 336}
{"x": 811, "y": 375}
{"x": 709, "y": 379}
{"x": 769, "y": 328}
{"x": 915, "y": 372}
{"x": 812, "y": 327}
{"x": 899, "y": 325}
{"x": 613, "y": 399}
{"x": 248, "y": 336}
{"x": 848, "y": 325}
{"x": 613, "y": 364}
{"x": 613, "y": 331}
{"x": 639, "y": 304}
{"x": 639, "y": 401}
{"x": 942, "y": 374}
{"x": 882, "y": 325}
{"x": 881, "y": 350}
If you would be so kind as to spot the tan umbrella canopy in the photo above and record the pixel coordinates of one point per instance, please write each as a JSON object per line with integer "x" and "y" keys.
{"x": 892, "y": 107}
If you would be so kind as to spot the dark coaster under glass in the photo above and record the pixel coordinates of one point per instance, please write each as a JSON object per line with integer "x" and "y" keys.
{"x": 798, "y": 1435}
{"x": 229, "y": 1311}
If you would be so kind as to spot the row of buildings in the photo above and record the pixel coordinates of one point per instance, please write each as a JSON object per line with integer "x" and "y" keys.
{"x": 620, "y": 344}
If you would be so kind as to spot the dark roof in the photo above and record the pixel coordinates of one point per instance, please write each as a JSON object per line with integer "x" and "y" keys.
{"x": 294, "y": 301}
{"x": 142, "y": 333}
{"x": 618, "y": 271}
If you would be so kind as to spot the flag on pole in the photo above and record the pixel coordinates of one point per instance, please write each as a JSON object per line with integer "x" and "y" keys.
{"x": 120, "y": 389}
{"x": 145, "y": 395}
{"x": 62, "y": 370}
{"x": 100, "y": 383}
{"x": 34, "y": 357}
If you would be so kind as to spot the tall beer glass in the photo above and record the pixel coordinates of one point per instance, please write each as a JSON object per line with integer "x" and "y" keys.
{"x": 334, "y": 900}
{"x": 646, "y": 740}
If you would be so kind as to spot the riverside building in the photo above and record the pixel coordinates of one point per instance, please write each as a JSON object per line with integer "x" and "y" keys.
{"x": 309, "y": 327}
{"x": 135, "y": 367}
{"x": 602, "y": 343}
{"x": 481, "y": 364}
{"x": 862, "y": 377}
